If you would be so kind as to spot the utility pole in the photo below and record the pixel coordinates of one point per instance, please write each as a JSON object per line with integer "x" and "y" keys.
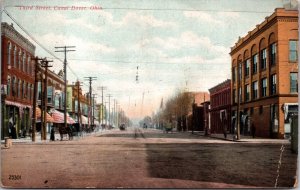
{"x": 65, "y": 49}
{"x": 36, "y": 69}
{"x": 105, "y": 114}
{"x": 109, "y": 96}
{"x": 90, "y": 79}
{"x": 114, "y": 112}
{"x": 93, "y": 107}
{"x": 45, "y": 64}
{"x": 102, "y": 108}
{"x": 78, "y": 106}
{"x": 238, "y": 96}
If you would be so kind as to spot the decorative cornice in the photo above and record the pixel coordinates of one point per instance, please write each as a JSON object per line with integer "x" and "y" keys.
{"x": 9, "y": 32}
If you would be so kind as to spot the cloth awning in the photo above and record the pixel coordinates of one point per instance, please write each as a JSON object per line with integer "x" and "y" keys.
{"x": 84, "y": 120}
{"x": 59, "y": 117}
{"x": 38, "y": 114}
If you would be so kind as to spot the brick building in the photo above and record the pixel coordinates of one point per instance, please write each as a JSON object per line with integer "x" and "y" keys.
{"x": 198, "y": 117}
{"x": 17, "y": 78}
{"x": 264, "y": 75}
{"x": 220, "y": 107}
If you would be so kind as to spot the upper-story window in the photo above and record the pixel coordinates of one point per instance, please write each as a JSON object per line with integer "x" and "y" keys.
{"x": 20, "y": 60}
{"x": 273, "y": 84}
{"x": 15, "y": 56}
{"x": 263, "y": 87}
{"x": 263, "y": 59}
{"x": 8, "y": 85}
{"x": 13, "y": 86}
{"x": 273, "y": 54}
{"x": 234, "y": 96}
{"x": 247, "y": 68}
{"x": 28, "y": 65}
{"x": 24, "y": 62}
{"x": 233, "y": 74}
{"x": 293, "y": 50}
{"x": 9, "y": 53}
{"x": 254, "y": 64}
{"x": 254, "y": 90}
{"x": 247, "y": 92}
{"x": 293, "y": 82}
{"x": 240, "y": 72}
{"x": 19, "y": 88}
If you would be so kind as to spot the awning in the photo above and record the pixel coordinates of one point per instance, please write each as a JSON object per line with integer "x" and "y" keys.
{"x": 59, "y": 117}
{"x": 96, "y": 122}
{"x": 84, "y": 120}
{"x": 38, "y": 114}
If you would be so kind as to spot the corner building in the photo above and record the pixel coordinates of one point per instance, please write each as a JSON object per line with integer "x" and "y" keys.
{"x": 264, "y": 76}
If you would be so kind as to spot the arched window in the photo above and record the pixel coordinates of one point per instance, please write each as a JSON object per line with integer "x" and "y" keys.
{"x": 13, "y": 86}
{"x": 24, "y": 62}
{"x": 19, "y": 87}
{"x": 29, "y": 91}
{"x": 8, "y": 85}
{"x": 28, "y": 65}
{"x": 24, "y": 89}
{"x": 20, "y": 60}
{"x": 15, "y": 56}
{"x": 9, "y": 53}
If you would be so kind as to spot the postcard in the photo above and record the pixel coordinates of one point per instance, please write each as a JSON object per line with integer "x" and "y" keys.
{"x": 149, "y": 94}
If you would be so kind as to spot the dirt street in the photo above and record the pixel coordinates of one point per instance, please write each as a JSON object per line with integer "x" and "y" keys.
{"x": 147, "y": 159}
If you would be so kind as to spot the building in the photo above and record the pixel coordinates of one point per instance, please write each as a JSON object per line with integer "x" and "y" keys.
{"x": 264, "y": 75}
{"x": 220, "y": 107}
{"x": 198, "y": 117}
{"x": 17, "y": 82}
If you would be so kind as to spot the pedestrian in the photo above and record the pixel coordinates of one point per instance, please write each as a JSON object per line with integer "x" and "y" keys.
{"x": 52, "y": 134}
{"x": 253, "y": 130}
{"x": 225, "y": 131}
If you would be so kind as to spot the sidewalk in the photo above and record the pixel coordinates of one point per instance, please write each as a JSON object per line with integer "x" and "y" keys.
{"x": 243, "y": 138}
{"x": 57, "y": 137}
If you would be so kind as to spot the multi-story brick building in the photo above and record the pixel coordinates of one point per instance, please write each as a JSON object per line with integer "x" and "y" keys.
{"x": 220, "y": 107}
{"x": 264, "y": 75}
{"x": 17, "y": 78}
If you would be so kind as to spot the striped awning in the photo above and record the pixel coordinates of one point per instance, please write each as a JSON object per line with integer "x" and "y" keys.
{"x": 59, "y": 117}
{"x": 38, "y": 114}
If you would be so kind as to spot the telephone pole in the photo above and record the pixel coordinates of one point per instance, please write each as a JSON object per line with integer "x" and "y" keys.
{"x": 65, "y": 49}
{"x": 90, "y": 79}
{"x": 102, "y": 107}
{"x": 45, "y": 64}
{"x": 78, "y": 106}
{"x": 36, "y": 69}
{"x": 93, "y": 108}
{"x": 109, "y": 96}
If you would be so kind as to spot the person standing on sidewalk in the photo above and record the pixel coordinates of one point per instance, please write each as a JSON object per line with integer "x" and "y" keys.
{"x": 52, "y": 134}
{"x": 253, "y": 130}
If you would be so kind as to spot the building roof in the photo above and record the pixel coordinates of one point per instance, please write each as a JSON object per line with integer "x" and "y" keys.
{"x": 221, "y": 86}
{"x": 10, "y": 32}
{"x": 279, "y": 13}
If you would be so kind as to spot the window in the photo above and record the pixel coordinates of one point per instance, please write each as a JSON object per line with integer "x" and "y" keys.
{"x": 8, "y": 85}
{"x": 15, "y": 57}
{"x": 240, "y": 71}
{"x": 8, "y": 53}
{"x": 263, "y": 87}
{"x": 293, "y": 56}
{"x": 28, "y": 65}
{"x": 247, "y": 92}
{"x": 247, "y": 67}
{"x": 19, "y": 61}
{"x": 293, "y": 82}
{"x": 273, "y": 84}
{"x": 254, "y": 89}
{"x": 273, "y": 54}
{"x": 19, "y": 88}
{"x": 28, "y": 91}
{"x": 234, "y": 96}
{"x": 254, "y": 64}
{"x": 13, "y": 86}
{"x": 233, "y": 74}
{"x": 24, "y": 62}
{"x": 263, "y": 59}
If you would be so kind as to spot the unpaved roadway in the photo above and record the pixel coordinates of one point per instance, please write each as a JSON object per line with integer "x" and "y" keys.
{"x": 138, "y": 158}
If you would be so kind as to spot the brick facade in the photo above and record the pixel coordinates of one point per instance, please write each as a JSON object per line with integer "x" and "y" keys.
{"x": 270, "y": 45}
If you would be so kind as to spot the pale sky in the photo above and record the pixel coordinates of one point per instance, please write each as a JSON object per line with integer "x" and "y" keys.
{"x": 176, "y": 44}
